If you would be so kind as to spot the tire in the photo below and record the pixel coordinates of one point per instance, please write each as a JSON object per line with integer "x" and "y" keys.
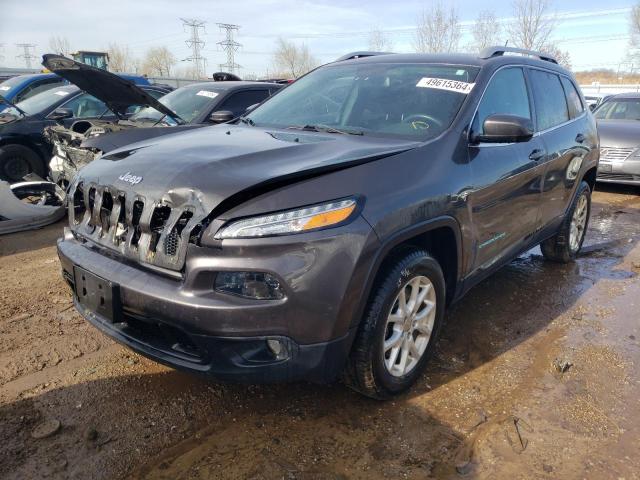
{"x": 16, "y": 161}
{"x": 370, "y": 369}
{"x": 562, "y": 247}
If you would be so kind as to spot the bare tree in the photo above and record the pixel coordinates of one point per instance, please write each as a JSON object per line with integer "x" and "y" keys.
{"x": 634, "y": 30}
{"x": 533, "y": 24}
{"x": 293, "y": 60}
{"x": 438, "y": 30}
{"x": 379, "y": 41}
{"x": 158, "y": 61}
{"x": 486, "y": 31}
{"x": 120, "y": 59}
{"x": 562, "y": 56}
{"x": 59, "y": 45}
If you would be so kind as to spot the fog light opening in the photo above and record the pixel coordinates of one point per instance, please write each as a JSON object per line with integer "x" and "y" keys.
{"x": 277, "y": 348}
{"x": 254, "y": 285}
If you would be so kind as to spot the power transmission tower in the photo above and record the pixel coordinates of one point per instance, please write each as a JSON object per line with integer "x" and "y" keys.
{"x": 195, "y": 44}
{"x": 230, "y": 46}
{"x": 26, "y": 53}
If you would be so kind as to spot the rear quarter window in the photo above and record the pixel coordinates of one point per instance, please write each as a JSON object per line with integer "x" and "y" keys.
{"x": 573, "y": 98}
{"x": 550, "y": 100}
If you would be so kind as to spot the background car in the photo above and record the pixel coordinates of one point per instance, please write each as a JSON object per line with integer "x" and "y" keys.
{"x": 19, "y": 88}
{"x": 23, "y": 146}
{"x": 619, "y": 128}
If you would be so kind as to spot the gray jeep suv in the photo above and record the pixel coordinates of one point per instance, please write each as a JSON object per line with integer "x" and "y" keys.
{"x": 326, "y": 231}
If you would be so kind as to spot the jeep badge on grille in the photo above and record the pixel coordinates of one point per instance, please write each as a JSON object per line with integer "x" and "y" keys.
{"x": 132, "y": 179}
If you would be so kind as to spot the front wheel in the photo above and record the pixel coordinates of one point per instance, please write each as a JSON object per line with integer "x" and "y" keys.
{"x": 17, "y": 161}
{"x": 400, "y": 327}
{"x": 564, "y": 246}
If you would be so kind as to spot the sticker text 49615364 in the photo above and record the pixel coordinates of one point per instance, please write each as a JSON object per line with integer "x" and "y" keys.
{"x": 444, "y": 84}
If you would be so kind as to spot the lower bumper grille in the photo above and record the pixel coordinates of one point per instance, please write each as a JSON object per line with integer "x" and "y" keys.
{"x": 623, "y": 177}
{"x": 615, "y": 154}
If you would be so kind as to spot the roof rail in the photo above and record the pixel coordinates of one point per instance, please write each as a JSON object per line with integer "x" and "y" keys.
{"x": 491, "y": 52}
{"x": 354, "y": 55}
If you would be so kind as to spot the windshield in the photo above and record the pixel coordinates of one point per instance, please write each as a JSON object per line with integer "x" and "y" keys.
{"x": 42, "y": 101}
{"x": 619, "y": 109}
{"x": 188, "y": 103}
{"x": 6, "y": 87}
{"x": 407, "y": 100}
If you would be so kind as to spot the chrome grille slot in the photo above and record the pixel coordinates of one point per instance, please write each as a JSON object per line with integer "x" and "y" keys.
{"x": 158, "y": 221}
{"x": 121, "y": 226}
{"x": 79, "y": 207}
{"x": 615, "y": 154}
{"x": 136, "y": 215}
{"x": 106, "y": 208}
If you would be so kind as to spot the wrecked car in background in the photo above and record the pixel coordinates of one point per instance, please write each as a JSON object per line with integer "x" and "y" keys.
{"x": 23, "y": 147}
{"x": 189, "y": 107}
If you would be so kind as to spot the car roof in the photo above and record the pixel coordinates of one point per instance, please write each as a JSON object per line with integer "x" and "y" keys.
{"x": 456, "y": 59}
{"x": 629, "y": 95}
{"x": 230, "y": 85}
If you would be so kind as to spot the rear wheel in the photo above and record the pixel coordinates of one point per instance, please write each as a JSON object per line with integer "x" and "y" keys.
{"x": 564, "y": 246}
{"x": 16, "y": 161}
{"x": 399, "y": 330}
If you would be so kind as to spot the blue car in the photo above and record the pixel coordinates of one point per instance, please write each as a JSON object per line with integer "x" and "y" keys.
{"x": 17, "y": 89}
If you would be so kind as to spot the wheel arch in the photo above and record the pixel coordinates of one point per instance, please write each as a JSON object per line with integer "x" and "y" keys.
{"x": 440, "y": 236}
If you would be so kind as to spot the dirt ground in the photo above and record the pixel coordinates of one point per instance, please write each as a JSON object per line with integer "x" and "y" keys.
{"x": 536, "y": 376}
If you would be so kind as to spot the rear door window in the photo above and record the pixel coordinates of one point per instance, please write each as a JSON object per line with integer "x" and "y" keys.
{"x": 573, "y": 98}
{"x": 551, "y": 104}
{"x": 506, "y": 94}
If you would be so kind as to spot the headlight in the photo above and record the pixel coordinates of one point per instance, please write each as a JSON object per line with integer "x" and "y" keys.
{"x": 290, "y": 221}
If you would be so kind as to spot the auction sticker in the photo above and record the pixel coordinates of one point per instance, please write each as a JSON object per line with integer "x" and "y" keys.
{"x": 62, "y": 93}
{"x": 5, "y": 87}
{"x": 207, "y": 93}
{"x": 444, "y": 84}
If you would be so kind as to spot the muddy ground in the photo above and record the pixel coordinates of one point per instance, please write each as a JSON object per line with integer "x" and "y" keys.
{"x": 536, "y": 376}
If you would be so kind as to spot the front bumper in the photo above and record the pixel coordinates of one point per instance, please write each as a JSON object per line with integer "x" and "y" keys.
{"x": 626, "y": 172}
{"x": 183, "y": 323}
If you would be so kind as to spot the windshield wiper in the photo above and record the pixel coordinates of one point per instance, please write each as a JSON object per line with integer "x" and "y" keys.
{"x": 326, "y": 129}
{"x": 18, "y": 109}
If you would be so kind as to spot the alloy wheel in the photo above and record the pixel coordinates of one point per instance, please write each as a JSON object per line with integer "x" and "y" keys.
{"x": 409, "y": 326}
{"x": 578, "y": 223}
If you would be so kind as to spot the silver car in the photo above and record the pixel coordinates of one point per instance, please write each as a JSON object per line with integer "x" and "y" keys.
{"x": 619, "y": 128}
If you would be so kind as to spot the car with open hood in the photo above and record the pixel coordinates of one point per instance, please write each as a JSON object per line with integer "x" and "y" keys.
{"x": 188, "y": 107}
{"x": 25, "y": 149}
{"x": 326, "y": 231}
{"x": 619, "y": 128}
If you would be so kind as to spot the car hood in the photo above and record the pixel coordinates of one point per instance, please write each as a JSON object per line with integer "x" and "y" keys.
{"x": 117, "y": 93}
{"x": 203, "y": 173}
{"x": 221, "y": 161}
{"x": 619, "y": 133}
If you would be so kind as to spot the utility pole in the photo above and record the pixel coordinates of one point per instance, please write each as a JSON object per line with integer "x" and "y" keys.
{"x": 230, "y": 46}
{"x": 195, "y": 44}
{"x": 26, "y": 53}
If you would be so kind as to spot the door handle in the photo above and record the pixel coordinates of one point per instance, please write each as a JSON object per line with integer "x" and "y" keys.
{"x": 536, "y": 155}
{"x": 580, "y": 138}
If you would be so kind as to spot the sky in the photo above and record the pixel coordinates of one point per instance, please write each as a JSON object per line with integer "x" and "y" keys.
{"x": 595, "y": 33}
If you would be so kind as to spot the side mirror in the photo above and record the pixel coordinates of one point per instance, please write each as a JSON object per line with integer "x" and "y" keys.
{"x": 499, "y": 128}
{"x": 60, "y": 114}
{"x": 221, "y": 116}
{"x": 251, "y": 107}
{"x": 593, "y": 106}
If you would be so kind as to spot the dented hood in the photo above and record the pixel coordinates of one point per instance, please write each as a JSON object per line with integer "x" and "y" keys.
{"x": 211, "y": 165}
{"x": 116, "y": 92}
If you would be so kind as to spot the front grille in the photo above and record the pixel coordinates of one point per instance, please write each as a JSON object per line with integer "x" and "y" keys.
{"x": 626, "y": 177}
{"x": 614, "y": 154}
{"x": 149, "y": 232}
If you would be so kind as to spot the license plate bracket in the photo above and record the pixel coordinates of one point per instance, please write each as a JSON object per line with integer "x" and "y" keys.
{"x": 605, "y": 167}
{"x": 97, "y": 294}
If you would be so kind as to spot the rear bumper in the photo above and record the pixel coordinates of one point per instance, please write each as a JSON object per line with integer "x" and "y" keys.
{"x": 183, "y": 323}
